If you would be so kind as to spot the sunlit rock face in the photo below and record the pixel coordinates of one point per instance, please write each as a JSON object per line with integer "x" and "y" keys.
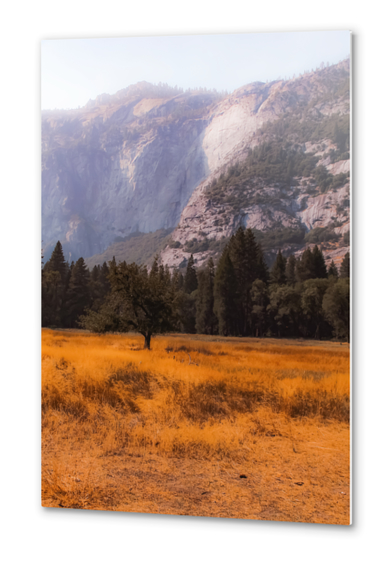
{"x": 142, "y": 159}
{"x": 120, "y": 164}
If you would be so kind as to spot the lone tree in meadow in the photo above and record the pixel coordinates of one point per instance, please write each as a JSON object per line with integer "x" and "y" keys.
{"x": 144, "y": 302}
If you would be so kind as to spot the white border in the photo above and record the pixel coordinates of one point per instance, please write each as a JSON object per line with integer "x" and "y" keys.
{"x": 30, "y": 532}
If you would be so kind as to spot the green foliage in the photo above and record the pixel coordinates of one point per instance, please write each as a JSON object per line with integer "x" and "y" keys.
{"x": 280, "y": 237}
{"x": 327, "y": 181}
{"x": 225, "y": 295}
{"x": 140, "y": 301}
{"x": 321, "y": 234}
{"x": 55, "y": 277}
{"x": 78, "y": 296}
{"x": 291, "y": 270}
{"x": 345, "y": 267}
{"x": 278, "y": 272}
{"x": 248, "y": 263}
{"x": 301, "y": 298}
{"x": 308, "y": 128}
{"x": 52, "y": 298}
{"x": 305, "y": 266}
{"x": 336, "y": 308}
{"x": 138, "y": 247}
{"x": 206, "y": 320}
{"x": 260, "y": 301}
{"x": 333, "y": 271}
{"x": 284, "y": 309}
{"x": 58, "y": 263}
{"x": 311, "y": 305}
{"x": 195, "y": 246}
{"x": 271, "y": 161}
{"x": 319, "y": 266}
{"x": 190, "y": 282}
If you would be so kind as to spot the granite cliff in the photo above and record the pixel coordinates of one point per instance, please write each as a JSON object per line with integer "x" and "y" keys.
{"x": 274, "y": 157}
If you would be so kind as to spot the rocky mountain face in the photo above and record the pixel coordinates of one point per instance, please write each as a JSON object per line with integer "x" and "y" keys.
{"x": 274, "y": 157}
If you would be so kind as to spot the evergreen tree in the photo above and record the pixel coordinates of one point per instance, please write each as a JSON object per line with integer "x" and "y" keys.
{"x": 260, "y": 300}
{"x": 190, "y": 281}
{"x": 278, "y": 272}
{"x": 311, "y": 303}
{"x": 95, "y": 288}
{"x": 262, "y": 268}
{"x": 52, "y": 298}
{"x": 318, "y": 263}
{"x": 305, "y": 266}
{"x": 154, "y": 273}
{"x": 167, "y": 275}
{"x": 78, "y": 294}
{"x": 55, "y": 277}
{"x": 58, "y": 263}
{"x": 177, "y": 280}
{"x": 333, "y": 271}
{"x": 336, "y": 308}
{"x": 206, "y": 320}
{"x": 188, "y": 298}
{"x": 104, "y": 279}
{"x": 345, "y": 267}
{"x": 248, "y": 263}
{"x": 255, "y": 256}
{"x": 225, "y": 297}
{"x": 291, "y": 270}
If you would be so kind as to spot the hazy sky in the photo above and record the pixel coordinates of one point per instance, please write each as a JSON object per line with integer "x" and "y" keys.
{"x": 76, "y": 70}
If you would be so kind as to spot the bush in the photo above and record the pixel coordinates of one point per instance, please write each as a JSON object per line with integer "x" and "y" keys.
{"x": 321, "y": 234}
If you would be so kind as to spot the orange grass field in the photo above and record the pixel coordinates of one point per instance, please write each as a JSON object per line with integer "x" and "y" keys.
{"x": 199, "y": 425}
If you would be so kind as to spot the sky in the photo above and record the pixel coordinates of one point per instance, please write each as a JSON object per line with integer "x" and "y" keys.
{"x": 76, "y": 70}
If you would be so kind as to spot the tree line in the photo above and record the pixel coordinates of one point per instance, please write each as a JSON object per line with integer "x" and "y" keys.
{"x": 240, "y": 296}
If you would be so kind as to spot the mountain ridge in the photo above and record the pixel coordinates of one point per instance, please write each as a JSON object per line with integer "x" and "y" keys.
{"x": 128, "y": 163}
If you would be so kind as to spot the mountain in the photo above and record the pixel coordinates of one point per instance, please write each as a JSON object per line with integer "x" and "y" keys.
{"x": 196, "y": 165}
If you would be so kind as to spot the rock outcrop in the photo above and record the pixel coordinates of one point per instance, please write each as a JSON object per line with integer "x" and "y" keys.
{"x": 143, "y": 160}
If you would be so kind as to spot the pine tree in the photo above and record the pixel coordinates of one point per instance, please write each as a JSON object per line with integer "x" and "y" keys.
{"x": 154, "y": 273}
{"x": 95, "y": 287}
{"x": 312, "y": 298}
{"x": 249, "y": 264}
{"x": 305, "y": 266}
{"x": 318, "y": 262}
{"x": 104, "y": 279}
{"x": 52, "y": 298}
{"x": 278, "y": 273}
{"x": 206, "y": 320}
{"x": 58, "y": 263}
{"x": 262, "y": 267}
{"x": 238, "y": 253}
{"x": 78, "y": 294}
{"x": 291, "y": 270}
{"x": 55, "y": 277}
{"x": 260, "y": 300}
{"x": 333, "y": 271}
{"x": 345, "y": 267}
{"x": 188, "y": 298}
{"x": 225, "y": 295}
{"x": 190, "y": 282}
{"x": 167, "y": 275}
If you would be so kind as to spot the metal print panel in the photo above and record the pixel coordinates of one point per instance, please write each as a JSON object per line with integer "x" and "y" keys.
{"x": 196, "y": 275}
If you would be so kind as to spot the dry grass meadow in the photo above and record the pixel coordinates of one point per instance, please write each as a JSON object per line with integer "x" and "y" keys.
{"x": 199, "y": 425}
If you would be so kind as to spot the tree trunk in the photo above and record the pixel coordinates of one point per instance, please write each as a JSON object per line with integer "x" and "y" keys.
{"x": 147, "y": 341}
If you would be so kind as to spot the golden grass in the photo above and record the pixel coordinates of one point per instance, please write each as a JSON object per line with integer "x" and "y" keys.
{"x": 172, "y": 430}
